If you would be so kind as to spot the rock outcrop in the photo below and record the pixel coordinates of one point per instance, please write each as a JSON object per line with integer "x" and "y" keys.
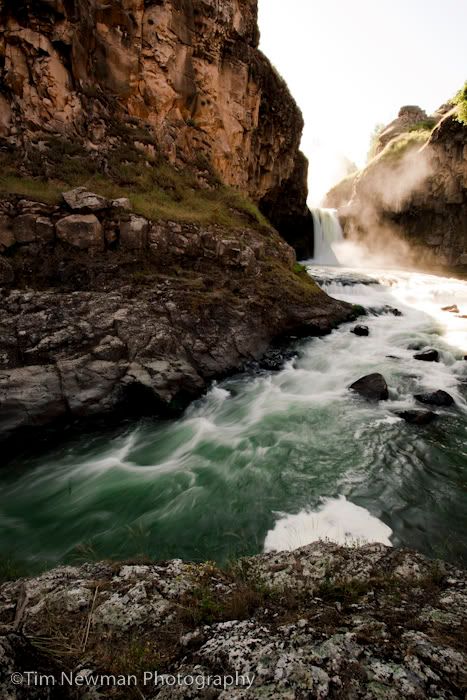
{"x": 188, "y": 70}
{"x": 322, "y": 621}
{"x": 108, "y": 313}
{"x": 410, "y": 202}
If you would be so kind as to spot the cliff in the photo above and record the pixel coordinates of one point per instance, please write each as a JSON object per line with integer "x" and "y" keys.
{"x": 189, "y": 71}
{"x": 322, "y": 621}
{"x": 135, "y": 267}
{"x": 411, "y": 199}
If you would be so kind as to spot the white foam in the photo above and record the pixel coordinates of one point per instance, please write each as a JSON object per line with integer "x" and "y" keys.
{"x": 337, "y": 520}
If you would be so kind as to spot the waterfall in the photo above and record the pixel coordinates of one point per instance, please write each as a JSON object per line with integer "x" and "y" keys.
{"x": 328, "y": 232}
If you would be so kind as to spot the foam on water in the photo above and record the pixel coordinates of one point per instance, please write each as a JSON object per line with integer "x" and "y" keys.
{"x": 337, "y": 520}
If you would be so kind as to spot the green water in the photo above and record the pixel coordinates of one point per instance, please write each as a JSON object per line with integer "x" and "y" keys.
{"x": 258, "y": 450}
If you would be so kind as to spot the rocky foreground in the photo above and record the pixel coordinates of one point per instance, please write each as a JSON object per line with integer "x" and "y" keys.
{"x": 322, "y": 621}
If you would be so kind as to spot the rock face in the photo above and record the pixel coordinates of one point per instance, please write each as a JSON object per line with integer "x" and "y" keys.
{"x": 112, "y": 314}
{"x": 323, "y": 621}
{"x": 410, "y": 201}
{"x": 190, "y": 70}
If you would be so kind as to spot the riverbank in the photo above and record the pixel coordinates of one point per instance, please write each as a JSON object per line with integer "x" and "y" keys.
{"x": 323, "y": 622}
{"x": 106, "y": 313}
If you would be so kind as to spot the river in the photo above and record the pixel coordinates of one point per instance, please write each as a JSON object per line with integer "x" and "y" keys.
{"x": 273, "y": 460}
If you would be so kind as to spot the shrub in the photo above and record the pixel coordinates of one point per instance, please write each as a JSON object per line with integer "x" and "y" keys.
{"x": 461, "y": 101}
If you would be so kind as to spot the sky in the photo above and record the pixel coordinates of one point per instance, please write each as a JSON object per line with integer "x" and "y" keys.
{"x": 351, "y": 64}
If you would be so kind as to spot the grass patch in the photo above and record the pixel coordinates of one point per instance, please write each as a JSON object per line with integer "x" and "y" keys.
{"x": 156, "y": 189}
{"x": 404, "y": 143}
{"x": 423, "y": 125}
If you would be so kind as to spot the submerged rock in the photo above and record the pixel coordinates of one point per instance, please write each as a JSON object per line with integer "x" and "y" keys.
{"x": 436, "y": 398}
{"x": 361, "y": 330}
{"x": 430, "y": 355}
{"x": 418, "y": 417}
{"x": 372, "y": 387}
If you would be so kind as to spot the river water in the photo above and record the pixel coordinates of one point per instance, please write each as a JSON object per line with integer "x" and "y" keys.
{"x": 273, "y": 460}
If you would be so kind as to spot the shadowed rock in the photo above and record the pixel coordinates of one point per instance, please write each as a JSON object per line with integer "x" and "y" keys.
{"x": 360, "y": 330}
{"x": 436, "y": 398}
{"x": 430, "y": 355}
{"x": 372, "y": 387}
{"x": 418, "y": 417}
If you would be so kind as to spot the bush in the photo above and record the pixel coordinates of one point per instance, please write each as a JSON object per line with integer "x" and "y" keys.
{"x": 461, "y": 101}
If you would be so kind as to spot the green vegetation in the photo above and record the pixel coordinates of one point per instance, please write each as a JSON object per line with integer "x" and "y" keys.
{"x": 156, "y": 189}
{"x": 299, "y": 269}
{"x": 424, "y": 125}
{"x": 461, "y": 101}
{"x": 403, "y": 143}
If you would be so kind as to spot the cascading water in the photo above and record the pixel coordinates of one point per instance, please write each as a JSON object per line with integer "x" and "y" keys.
{"x": 327, "y": 233}
{"x": 274, "y": 460}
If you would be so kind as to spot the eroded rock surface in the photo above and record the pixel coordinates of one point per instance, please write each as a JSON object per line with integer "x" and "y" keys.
{"x": 322, "y": 621}
{"x": 109, "y": 313}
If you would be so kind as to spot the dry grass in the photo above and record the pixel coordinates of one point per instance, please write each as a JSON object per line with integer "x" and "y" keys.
{"x": 156, "y": 189}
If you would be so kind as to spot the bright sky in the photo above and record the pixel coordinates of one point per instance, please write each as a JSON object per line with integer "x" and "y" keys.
{"x": 351, "y": 64}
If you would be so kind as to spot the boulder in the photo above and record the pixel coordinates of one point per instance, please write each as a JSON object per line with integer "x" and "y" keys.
{"x": 372, "y": 387}
{"x": 80, "y": 199}
{"x": 7, "y": 274}
{"x": 122, "y": 203}
{"x": 454, "y": 309}
{"x": 7, "y": 238}
{"x": 361, "y": 330}
{"x": 430, "y": 355}
{"x": 24, "y": 228}
{"x": 436, "y": 398}
{"x": 134, "y": 233}
{"x": 45, "y": 230}
{"x": 418, "y": 417}
{"x": 81, "y": 231}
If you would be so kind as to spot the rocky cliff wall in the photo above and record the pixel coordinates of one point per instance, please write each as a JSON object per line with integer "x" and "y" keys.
{"x": 411, "y": 199}
{"x": 190, "y": 70}
{"x": 104, "y": 313}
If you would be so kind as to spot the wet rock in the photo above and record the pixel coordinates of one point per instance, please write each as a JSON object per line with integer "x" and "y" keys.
{"x": 418, "y": 417}
{"x": 454, "y": 309}
{"x": 436, "y": 398}
{"x": 275, "y": 359}
{"x": 372, "y": 387}
{"x": 81, "y": 231}
{"x": 361, "y": 330}
{"x": 7, "y": 274}
{"x": 134, "y": 233}
{"x": 430, "y": 355}
{"x": 80, "y": 199}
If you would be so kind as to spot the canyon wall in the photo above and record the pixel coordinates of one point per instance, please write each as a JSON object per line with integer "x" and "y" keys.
{"x": 190, "y": 70}
{"x": 411, "y": 198}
